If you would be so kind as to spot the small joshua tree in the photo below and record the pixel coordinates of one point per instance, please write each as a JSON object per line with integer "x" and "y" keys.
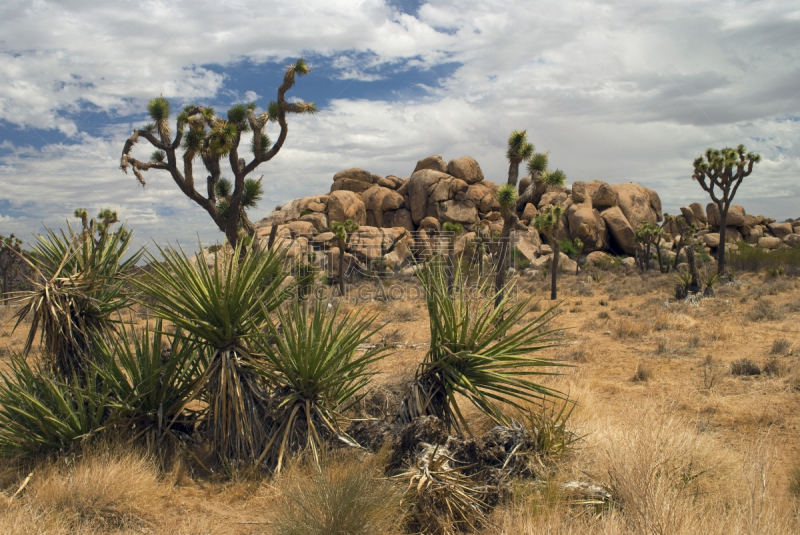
{"x": 647, "y": 236}
{"x": 10, "y": 254}
{"x": 343, "y": 232}
{"x": 723, "y": 170}
{"x": 507, "y": 198}
{"x": 201, "y": 133}
{"x": 548, "y": 222}
{"x": 519, "y": 150}
{"x": 578, "y": 244}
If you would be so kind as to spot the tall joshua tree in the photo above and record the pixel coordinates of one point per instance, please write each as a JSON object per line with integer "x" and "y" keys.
{"x": 10, "y": 264}
{"x": 723, "y": 170}
{"x": 548, "y": 222}
{"x": 201, "y": 133}
{"x": 519, "y": 150}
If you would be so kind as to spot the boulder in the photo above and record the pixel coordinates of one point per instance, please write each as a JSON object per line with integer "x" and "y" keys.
{"x": 635, "y": 203}
{"x": 603, "y": 194}
{"x": 435, "y": 163}
{"x": 599, "y": 259}
{"x": 323, "y": 237}
{"x": 398, "y": 218}
{"x": 391, "y": 182}
{"x": 755, "y": 234}
{"x": 484, "y": 197}
{"x": 623, "y": 238}
{"x": 566, "y": 264}
{"x": 301, "y": 228}
{"x": 316, "y": 203}
{"x": 319, "y": 220}
{"x": 523, "y": 185}
{"x": 420, "y": 186}
{"x": 753, "y": 220}
{"x": 711, "y": 239}
{"x": 369, "y": 243}
{"x": 379, "y": 200}
{"x": 736, "y": 216}
{"x": 688, "y": 215}
{"x": 655, "y": 204}
{"x": 463, "y": 212}
{"x": 780, "y": 230}
{"x": 527, "y": 242}
{"x": 355, "y": 174}
{"x": 579, "y": 192}
{"x": 430, "y": 223}
{"x": 769, "y": 242}
{"x": 554, "y": 197}
{"x": 792, "y": 240}
{"x": 712, "y": 213}
{"x": 529, "y": 213}
{"x": 344, "y": 205}
{"x": 465, "y": 168}
{"x": 732, "y": 235}
{"x": 629, "y": 262}
{"x": 493, "y": 216}
{"x": 699, "y": 215}
{"x": 348, "y": 184}
{"x": 545, "y": 249}
{"x": 586, "y": 224}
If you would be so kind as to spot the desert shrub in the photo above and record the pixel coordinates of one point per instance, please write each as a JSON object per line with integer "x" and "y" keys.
{"x": 475, "y": 353}
{"x": 550, "y": 429}
{"x": 604, "y": 315}
{"x": 781, "y": 346}
{"x": 628, "y": 328}
{"x": 765, "y": 310}
{"x": 753, "y": 258}
{"x": 773, "y": 287}
{"x": 405, "y": 313}
{"x": 794, "y": 481}
{"x": 343, "y": 498}
{"x": 315, "y": 375}
{"x": 775, "y": 367}
{"x": 40, "y": 414}
{"x": 585, "y": 290}
{"x": 106, "y": 489}
{"x": 745, "y": 367}
{"x": 642, "y": 373}
{"x": 711, "y": 373}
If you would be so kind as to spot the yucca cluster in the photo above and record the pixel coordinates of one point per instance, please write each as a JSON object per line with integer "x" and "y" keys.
{"x": 230, "y": 367}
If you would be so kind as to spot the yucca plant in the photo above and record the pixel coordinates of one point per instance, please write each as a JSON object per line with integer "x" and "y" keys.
{"x": 39, "y": 413}
{"x": 79, "y": 283}
{"x": 316, "y": 375}
{"x": 152, "y": 375}
{"x": 477, "y": 352}
{"x": 223, "y": 309}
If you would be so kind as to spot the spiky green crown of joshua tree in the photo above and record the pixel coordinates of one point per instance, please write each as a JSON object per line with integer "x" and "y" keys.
{"x": 724, "y": 169}
{"x": 548, "y": 219}
{"x": 201, "y": 133}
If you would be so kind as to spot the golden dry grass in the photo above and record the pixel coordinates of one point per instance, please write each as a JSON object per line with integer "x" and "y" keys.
{"x": 693, "y": 449}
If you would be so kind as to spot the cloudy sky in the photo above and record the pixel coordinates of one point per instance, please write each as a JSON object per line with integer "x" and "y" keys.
{"x": 617, "y": 90}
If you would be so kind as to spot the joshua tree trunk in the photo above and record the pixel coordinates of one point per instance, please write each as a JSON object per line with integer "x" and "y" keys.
{"x": 694, "y": 286}
{"x": 554, "y": 275}
{"x": 678, "y": 254}
{"x": 505, "y": 244}
{"x": 723, "y": 231}
{"x": 658, "y": 254}
{"x": 341, "y": 267}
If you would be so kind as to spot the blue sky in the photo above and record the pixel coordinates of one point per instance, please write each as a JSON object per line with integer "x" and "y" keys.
{"x": 616, "y": 90}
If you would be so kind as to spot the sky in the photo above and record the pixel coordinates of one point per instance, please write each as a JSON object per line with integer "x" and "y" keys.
{"x": 616, "y": 90}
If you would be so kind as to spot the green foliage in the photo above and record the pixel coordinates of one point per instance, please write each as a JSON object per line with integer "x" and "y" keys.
{"x": 519, "y": 149}
{"x": 343, "y": 230}
{"x": 569, "y": 247}
{"x": 79, "y": 282}
{"x": 237, "y": 115}
{"x": 266, "y": 143}
{"x": 151, "y": 375}
{"x": 223, "y": 188}
{"x": 158, "y": 156}
{"x": 455, "y": 228}
{"x": 752, "y": 258}
{"x": 547, "y": 220}
{"x": 507, "y": 196}
{"x": 538, "y": 163}
{"x": 475, "y": 353}
{"x": 305, "y": 212}
{"x": 39, "y": 414}
{"x": 555, "y": 178}
{"x": 224, "y": 310}
{"x": 253, "y": 192}
{"x": 549, "y": 427}
{"x": 316, "y": 375}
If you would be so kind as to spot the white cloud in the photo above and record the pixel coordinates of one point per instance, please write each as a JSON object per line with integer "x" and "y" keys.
{"x": 619, "y": 91}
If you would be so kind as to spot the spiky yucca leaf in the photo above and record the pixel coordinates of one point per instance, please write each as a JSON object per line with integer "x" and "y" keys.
{"x": 519, "y": 149}
{"x": 537, "y": 163}
{"x": 38, "y": 413}
{"x": 316, "y": 375}
{"x": 223, "y": 308}
{"x": 507, "y": 196}
{"x": 78, "y": 285}
{"x": 152, "y": 375}
{"x": 555, "y": 178}
{"x": 158, "y": 156}
{"x": 272, "y": 110}
{"x": 158, "y": 108}
{"x": 266, "y": 142}
{"x": 223, "y": 188}
{"x": 238, "y": 115}
{"x": 477, "y": 351}
{"x": 548, "y": 219}
{"x": 253, "y": 192}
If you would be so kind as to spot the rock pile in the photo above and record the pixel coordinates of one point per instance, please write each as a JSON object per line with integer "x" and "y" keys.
{"x": 753, "y": 229}
{"x": 404, "y": 215}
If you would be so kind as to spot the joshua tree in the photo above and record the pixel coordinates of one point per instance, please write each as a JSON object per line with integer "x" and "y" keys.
{"x": 547, "y": 222}
{"x": 647, "y": 236}
{"x": 10, "y": 253}
{"x": 519, "y": 150}
{"x": 343, "y": 232}
{"x": 507, "y": 197}
{"x": 578, "y": 243}
{"x": 724, "y": 170}
{"x": 199, "y": 132}
{"x": 537, "y": 167}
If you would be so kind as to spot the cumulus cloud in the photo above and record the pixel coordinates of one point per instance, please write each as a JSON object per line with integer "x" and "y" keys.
{"x": 617, "y": 90}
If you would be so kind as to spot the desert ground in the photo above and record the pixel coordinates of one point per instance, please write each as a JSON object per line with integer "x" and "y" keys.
{"x": 668, "y": 418}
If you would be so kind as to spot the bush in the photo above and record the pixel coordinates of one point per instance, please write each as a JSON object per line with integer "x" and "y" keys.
{"x": 765, "y": 311}
{"x": 753, "y": 258}
{"x": 744, "y": 367}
